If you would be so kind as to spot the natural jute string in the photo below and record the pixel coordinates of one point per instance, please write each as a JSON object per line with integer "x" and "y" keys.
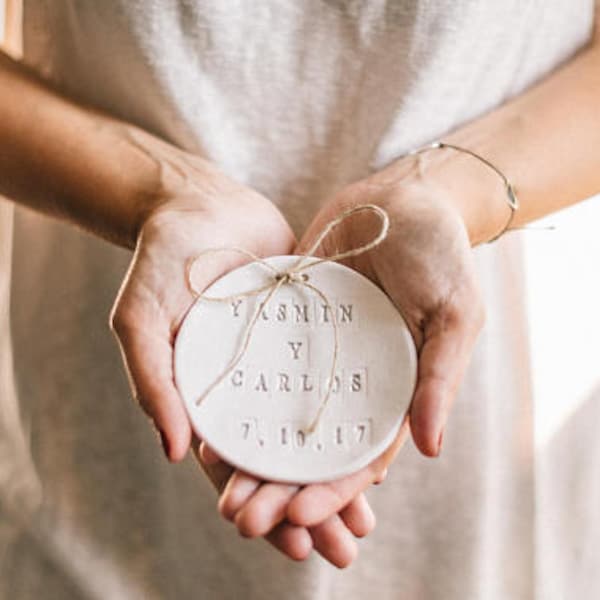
{"x": 293, "y": 276}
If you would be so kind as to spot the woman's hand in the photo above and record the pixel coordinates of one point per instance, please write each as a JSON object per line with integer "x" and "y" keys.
{"x": 426, "y": 267}
{"x": 201, "y": 208}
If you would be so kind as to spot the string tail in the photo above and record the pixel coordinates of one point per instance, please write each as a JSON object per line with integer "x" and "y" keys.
{"x": 191, "y": 263}
{"x": 315, "y": 422}
{"x": 380, "y": 237}
{"x": 243, "y": 346}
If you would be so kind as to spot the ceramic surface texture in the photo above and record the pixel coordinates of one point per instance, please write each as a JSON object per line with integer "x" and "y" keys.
{"x": 257, "y": 417}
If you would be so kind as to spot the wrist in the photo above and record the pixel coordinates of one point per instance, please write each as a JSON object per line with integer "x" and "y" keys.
{"x": 74, "y": 162}
{"x": 474, "y": 191}
{"x": 69, "y": 160}
{"x": 152, "y": 175}
{"x": 139, "y": 177}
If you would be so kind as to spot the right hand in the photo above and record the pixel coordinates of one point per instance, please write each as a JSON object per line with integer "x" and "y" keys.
{"x": 201, "y": 209}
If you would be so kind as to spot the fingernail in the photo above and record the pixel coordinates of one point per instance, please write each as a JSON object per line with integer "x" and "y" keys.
{"x": 381, "y": 477}
{"x": 440, "y": 440}
{"x": 165, "y": 442}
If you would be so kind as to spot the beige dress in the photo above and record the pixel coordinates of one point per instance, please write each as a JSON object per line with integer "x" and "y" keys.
{"x": 294, "y": 99}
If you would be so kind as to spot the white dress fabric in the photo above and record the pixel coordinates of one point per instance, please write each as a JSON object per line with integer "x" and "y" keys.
{"x": 294, "y": 99}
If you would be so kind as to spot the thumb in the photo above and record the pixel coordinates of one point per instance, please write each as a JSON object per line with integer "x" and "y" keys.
{"x": 147, "y": 354}
{"x": 443, "y": 359}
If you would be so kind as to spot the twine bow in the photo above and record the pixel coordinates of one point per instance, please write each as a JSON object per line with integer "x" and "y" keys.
{"x": 295, "y": 275}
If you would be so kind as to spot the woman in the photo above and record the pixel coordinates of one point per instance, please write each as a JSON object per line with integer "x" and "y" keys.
{"x": 173, "y": 127}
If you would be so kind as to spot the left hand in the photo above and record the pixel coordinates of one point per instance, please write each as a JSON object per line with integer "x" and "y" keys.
{"x": 426, "y": 267}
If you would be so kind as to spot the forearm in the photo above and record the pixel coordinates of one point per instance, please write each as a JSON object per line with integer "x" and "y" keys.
{"x": 547, "y": 141}
{"x": 71, "y": 161}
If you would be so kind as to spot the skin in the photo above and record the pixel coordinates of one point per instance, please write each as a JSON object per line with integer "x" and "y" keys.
{"x": 135, "y": 190}
{"x": 426, "y": 267}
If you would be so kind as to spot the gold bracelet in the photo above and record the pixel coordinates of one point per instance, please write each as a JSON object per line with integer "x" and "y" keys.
{"x": 511, "y": 195}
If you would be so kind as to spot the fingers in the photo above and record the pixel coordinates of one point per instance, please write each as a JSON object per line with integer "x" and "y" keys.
{"x": 208, "y": 455}
{"x": 265, "y": 509}
{"x": 147, "y": 354}
{"x": 358, "y": 516}
{"x": 381, "y": 477}
{"x": 334, "y": 542}
{"x": 317, "y": 502}
{"x": 294, "y": 541}
{"x": 237, "y": 492}
{"x": 443, "y": 359}
{"x": 259, "y": 510}
{"x": 333, "y": 538}
{"x": 218, "y": 473}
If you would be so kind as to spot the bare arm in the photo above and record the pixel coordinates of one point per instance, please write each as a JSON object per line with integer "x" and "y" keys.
{"x": 73, "y": 162}
{"x": 547, "y": 141}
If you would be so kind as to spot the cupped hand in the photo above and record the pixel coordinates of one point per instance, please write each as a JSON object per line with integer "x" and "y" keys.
{"x": 204, "y": 209}
{"x": 425, "y": 265}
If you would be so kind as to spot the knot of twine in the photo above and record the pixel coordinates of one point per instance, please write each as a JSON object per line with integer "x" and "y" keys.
{"x": 295, "y": 275}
